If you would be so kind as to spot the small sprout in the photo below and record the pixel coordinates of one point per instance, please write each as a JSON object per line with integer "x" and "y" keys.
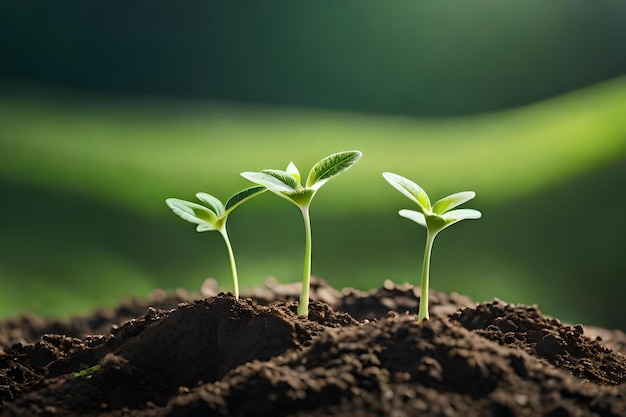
{"x": 287, "y": 184}
{"x": 213, "y": 216}
{"x": 87, "y": 372}
{"x": 434, "y": 218}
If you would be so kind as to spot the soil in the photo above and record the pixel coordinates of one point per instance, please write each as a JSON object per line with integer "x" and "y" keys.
{"x": 357, "y": 354}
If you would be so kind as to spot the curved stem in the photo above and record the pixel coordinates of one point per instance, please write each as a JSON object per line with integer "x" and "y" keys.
{"x": 303, "y": 305}
{"x": 423, "y": 310}
{"x": 231, "y": 257}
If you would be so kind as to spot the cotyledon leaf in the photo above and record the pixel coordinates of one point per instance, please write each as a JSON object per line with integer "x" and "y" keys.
{"x": 452, "y": 201}
{"x": 212, "y": 202}
{"x": 461, "y": 214}
{"x": 413, "y": 215}
{"x": 193, "y": 213}
{"x": 243, "y": 196}
{"x": 275, "y": 180}
{"x": 409, "y": 189}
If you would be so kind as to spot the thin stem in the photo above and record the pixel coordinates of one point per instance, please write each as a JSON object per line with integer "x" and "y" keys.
{"x": 423, "y": 310}
{"x": 303, "y": 305}
{"x": 233, "y": 266}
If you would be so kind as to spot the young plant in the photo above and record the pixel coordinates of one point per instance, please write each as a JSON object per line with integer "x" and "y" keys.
{"x": 287, "y": 184}
{"x": 434, "y": 218}
{"x": 213, "y": 216}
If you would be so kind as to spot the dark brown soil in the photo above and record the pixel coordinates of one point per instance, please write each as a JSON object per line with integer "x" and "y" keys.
{"x": 357, "y": 354}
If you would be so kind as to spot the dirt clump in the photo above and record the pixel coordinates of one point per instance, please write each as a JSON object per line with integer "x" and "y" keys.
{"x": 357, "y": 354}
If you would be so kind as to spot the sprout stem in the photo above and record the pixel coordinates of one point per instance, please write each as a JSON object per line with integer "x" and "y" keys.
{"x": 303, "y": 305}
{"x": 423, "y": 310}
{"x": 231, "y": 257}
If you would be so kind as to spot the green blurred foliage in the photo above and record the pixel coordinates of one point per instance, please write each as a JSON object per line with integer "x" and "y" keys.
{"x": 108, "y": 108}
{"x": 400, "y": 57}
{"x": 84, "y": 182}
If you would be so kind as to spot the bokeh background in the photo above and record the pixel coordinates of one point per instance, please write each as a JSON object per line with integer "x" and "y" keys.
{"x": 109, "y": 107}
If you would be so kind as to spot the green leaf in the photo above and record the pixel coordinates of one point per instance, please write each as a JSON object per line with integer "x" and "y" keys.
{"x": 284, "y": 177}
{"x": 213, "y": 203}
{"x": 461, "y": 214}
{"x": 416, "y": 216}
{"x": 293, "y": 171}
{"x": 409, "y": 189}
{"x": 455, "y": 216}
{"x": 243, "y": 196}
{"x": 194, "y": 213}
{"x": 452, "y": 201}
{"x": 274, "y": 180}
{"x": 330, "y": 166}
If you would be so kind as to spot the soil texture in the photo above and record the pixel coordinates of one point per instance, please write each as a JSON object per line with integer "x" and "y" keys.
{"x": 356, "y": 354}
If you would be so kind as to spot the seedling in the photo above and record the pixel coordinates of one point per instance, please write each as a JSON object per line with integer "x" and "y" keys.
{"x": 434, "y": 218}
{"x": 213, "y": 216}
{"x": 287, "y": 184}
{"x": 87, "y": 372}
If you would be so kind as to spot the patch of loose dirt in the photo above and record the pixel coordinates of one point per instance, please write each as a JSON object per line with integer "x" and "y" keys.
{"x": 357, "y": 354}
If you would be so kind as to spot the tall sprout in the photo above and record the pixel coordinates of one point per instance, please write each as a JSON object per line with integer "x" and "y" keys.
{"x": 287, "y": 184}
{"x": 434, "y": 218}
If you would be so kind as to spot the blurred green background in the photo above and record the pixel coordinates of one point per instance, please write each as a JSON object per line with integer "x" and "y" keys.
{"x": 108, "y": 108}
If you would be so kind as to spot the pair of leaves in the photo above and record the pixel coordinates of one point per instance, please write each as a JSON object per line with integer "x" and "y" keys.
{"x": 213, "y": 215}
{"x": 433, "y": 217}
{"x": 287, "y": 184}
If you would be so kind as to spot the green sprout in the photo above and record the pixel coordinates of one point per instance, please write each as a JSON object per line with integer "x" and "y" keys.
{"x": 434, "y": 218}
{"x": 213, "y": 217}
{"x": 87, "y": 372}
{"x": 287, "y": 184}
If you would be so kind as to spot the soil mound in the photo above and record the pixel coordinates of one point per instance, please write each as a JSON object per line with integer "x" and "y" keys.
{"x": 357, "y": 354}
